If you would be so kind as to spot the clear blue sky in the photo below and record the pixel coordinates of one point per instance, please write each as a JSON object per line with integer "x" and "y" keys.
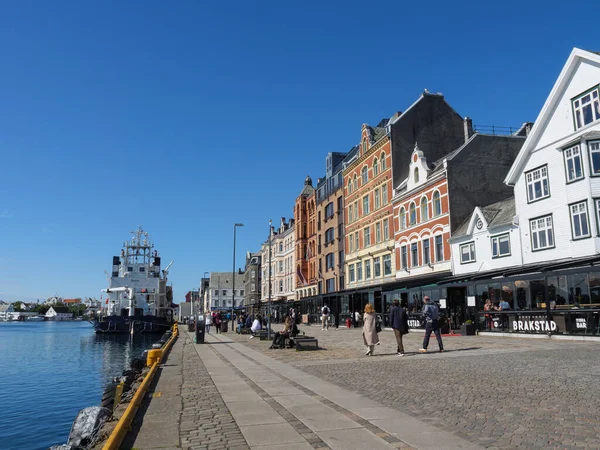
{"x": 187, "y": 118}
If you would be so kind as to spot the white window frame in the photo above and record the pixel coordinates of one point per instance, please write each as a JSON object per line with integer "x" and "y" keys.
{"x": 426, "y": 252}
{"x": 351, "y": 273}
{"x": 438, "y": 258}
{"x": 376, "y": 267}
{"x": 375, "y": 167}
{"x": 359, "y": 271}
{"x": 593, "y": 102}
{"x": 436, "y": 200}
{"x": 377, "y": 198}
{"x": 351, "y": 242}
{"x": 365, "y": 204}
{"x": 367, "y": 269}
{"x": 378, "y": 232}
{"x": 384, "y": 195}
{"x": 572, "y": 156}
{"x": 386, "y": 229}
{"x": 404, "y": 256}
{"x": 594, "y": 149}
{"x": 580, "y": 211}
{"x": 470, "y": 247}
{"x": 424, "y": 207}
{"x": 532, "y": 177}
{"x": 495, "y": 242}
{"x": 364, "y": 175}
{"x": 387, "y": 258}
{"x": 402, "y": 218}
{"x": 538, "y": 226}
{"x": 367, "y": 236}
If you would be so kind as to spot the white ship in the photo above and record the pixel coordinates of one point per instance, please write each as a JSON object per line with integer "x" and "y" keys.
{"x": 138, "y": 298}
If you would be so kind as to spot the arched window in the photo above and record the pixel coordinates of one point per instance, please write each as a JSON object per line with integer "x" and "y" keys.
{"x": 383, "y": 162}
{"x": 402, "y": 218}
{"x": 375, "y": 167}
{"x": 349, "y": 186}
{"x": 364, "y": 145}
{"x": 365, "y": 175}
{"x": 424, "y": 210}
{"x": 416, "y": 174}
{"x": 437, "y": 204}
{"x": 355, "y": 187}
{"x": 413, "y": 214}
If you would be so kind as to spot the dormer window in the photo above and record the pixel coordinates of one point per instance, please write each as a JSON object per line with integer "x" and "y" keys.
{"x": 416, "y": 176}
{"x": 364, "y": 146}
{"x": 586, "y": 107}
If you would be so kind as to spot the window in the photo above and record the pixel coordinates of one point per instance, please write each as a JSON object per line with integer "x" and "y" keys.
{"x": 573, "y": 163}
{"x": 351, "y": 243}
{"x": 365, "y": 175}
{"x": 356, "y": 210}
{"x": 280, "y": 285}
{"x": 350, "y": 186}
{"x": 414, "y": 255}
{"x": 359, "y": 271}
{"x": 329, "y": 211}
{"x": 142, "y": 269}
{"x": 364, "y": 145}
{"x": 424, "y": 210}
{"x": 355, "y": 187}
{"x": 387, "y": 265}
{"x": 329, "y": 235}
{"x": 365, "y": 205}
{"x": 386, "y": 229}
{"x": 340, "y": 204}
{"x": 579, "y": 220}
{"x": 426, "y": 258}
{"x": 216, "y": 292}
{"x": 378, "y": 232}
{"x": 130, "y": 269}
{"x": 224, "y": 291}
{"x": 402, "y": 218}
{"x": 330, "y": 285}
{"x": 416, "y": 175}
{"x": 500, "y": 246}
{"x": 439, "y": 248}
{"x": 383, "y": 162}
{"x": 437, "y": 204}
{"x": 367, "y": 236}
{"x": 351, "y": 273}
{"x": 280, "y": 266}
{"x": 384, "y": 195}
{"x": 467, "y": 253}
{"x": 367, "y": 270}
{"x": 350, "y": 212}
{"x": 375, "y": 167}
{"x": 356, "y": 241}
{"x": 594, "y": 147}
{"x": 404, "y": 257}
{"x": 537, "y": 184}
{"x": 377, "y": 199}
{"x": 330, "y": 261}
{"x": 281, "y": 247}
{"x": 413, "y": 214}
{"x": 377, "y": 267}
{"x": 586, "y": 108}
{"x": 542, "y": 234}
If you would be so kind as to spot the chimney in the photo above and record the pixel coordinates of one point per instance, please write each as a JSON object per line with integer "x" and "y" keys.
{"x": 528, "y": 128}
{"x": 468, "y": 128}
{"x": 282, "y": 226}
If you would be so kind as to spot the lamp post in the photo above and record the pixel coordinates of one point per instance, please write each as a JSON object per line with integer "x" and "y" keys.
{"x": 269, "y": 300}
{"x": 204, "y": 292}
{"x": 233, "y": 273}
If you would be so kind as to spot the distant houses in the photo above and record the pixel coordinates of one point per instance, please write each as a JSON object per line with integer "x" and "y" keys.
{"x": 59, "y": 313}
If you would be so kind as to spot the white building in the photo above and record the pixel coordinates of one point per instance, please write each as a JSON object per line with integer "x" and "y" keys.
{"x": 219, "y": 295}
{"x": 284, "y": 262}
{"x": 556, "y": 176}
{"x": 59, "y": 313}
{"x": 488, "y": 241}
{"x": 6, "y": 311}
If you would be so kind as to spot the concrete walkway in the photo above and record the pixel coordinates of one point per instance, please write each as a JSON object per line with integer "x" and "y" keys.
{"x": 225, "y": 395}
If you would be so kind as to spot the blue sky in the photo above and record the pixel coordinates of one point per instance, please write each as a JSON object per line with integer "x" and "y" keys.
{"x": 187, "y": 117}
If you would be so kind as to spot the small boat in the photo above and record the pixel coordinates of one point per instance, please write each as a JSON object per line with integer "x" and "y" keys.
{"x": 36, "y": 319}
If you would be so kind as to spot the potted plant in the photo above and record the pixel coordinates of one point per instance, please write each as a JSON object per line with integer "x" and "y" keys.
{"x": 467, "y": 328}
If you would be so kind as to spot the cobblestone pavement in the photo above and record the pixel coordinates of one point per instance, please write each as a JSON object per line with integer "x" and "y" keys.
{"x": 206, "y": 423}
{"x": 498, "y": 392}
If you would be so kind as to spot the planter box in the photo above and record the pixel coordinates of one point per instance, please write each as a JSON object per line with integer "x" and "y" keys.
{"x": 467, "y": 330}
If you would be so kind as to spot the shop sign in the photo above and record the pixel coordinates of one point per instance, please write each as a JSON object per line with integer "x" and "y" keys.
{"x": 531, "y": 324}
{"x": 412, "y": 323}
{"x": 581, "y": 323}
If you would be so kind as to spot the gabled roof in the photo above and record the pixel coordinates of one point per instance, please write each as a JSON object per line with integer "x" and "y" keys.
{"x": 563, "y": 80}
{"x": 60, "y": 309}
{"x": 4, "y": 307}
{"x": 495, "y": 215}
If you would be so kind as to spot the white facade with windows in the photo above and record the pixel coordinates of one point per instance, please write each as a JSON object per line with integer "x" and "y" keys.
{"x": 488, "y": 241}
{"x": 556, "y": 176}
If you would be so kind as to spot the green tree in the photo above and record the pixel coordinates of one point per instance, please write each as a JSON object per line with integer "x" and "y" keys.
{"x": 18, "y": 305}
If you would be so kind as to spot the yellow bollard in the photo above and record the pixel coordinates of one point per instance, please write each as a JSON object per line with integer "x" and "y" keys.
{"x": 154, "y": 355}
{"x": 118, "y": 395}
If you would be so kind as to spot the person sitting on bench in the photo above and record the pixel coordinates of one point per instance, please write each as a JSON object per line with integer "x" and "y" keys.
{"x": 280, "y": 336}
{"x": 256, "y": 327}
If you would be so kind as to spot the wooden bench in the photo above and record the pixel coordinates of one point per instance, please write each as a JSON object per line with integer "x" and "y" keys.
{"x": 306, "y": 343}
{"x": 245, "y": 330}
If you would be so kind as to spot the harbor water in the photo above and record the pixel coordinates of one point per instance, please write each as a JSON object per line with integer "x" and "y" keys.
{"x": 51, "y": 370}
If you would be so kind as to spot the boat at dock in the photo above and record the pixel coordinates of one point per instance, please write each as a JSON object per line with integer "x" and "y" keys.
{"x": 138, "y": 298}
{"x": 36, "y": 319}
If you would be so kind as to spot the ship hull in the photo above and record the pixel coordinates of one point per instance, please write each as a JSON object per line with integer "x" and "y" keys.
{"x": 140, "y": 324}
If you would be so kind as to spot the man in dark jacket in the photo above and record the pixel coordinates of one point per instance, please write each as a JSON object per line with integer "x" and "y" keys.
{"x": 399, "y": 322}
{"x": 431, "y": 314}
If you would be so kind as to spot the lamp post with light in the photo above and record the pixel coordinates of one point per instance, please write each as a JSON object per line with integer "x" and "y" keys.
{"x": 269, "y": 301}
{"x": 233, "y": 273}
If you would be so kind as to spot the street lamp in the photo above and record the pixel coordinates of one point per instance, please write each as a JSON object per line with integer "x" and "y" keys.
{"x": 269, "y": 301}
{"x": 233, "y": 273}
{"x": 204, "y": 291}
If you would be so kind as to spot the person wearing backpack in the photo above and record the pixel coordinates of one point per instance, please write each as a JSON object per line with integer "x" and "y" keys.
{"x": 325, "y": 317}
{"x": 431, "y": 314}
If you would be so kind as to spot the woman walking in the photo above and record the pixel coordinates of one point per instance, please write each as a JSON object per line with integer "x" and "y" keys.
{"x": 370, "y": 336}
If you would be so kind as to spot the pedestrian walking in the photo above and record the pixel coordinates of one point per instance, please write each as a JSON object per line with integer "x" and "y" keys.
{"x": 218, "y": 322}
{"x": 208, "y": 322}
{"x": 370, "y": 336}
{"x": 325, "y": 317}
{"x": 399, "y": 322}
{"x": 357, "y": 319}
{"x": 431, "y": 314}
